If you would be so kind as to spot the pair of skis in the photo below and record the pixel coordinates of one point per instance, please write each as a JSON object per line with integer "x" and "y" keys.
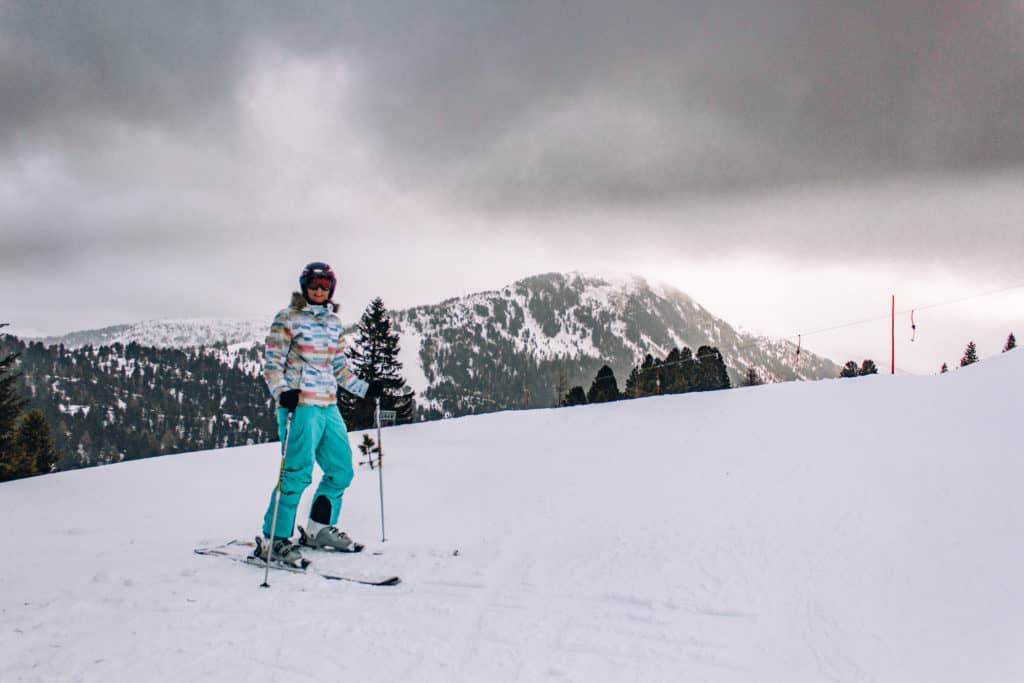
{"x": 224, "y": 550}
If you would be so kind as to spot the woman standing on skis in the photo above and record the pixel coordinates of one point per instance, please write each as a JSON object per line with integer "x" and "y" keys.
{"x": 304, "y": 365}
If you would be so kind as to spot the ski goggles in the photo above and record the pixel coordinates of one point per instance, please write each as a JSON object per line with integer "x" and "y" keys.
{"x": 320, "y": 283}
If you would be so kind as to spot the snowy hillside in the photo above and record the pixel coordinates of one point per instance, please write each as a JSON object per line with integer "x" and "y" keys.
{"x": 169, "y": 334}
{"x": 573, "y": 317}
{"x": 851, "y": 530}
{"x": 525, "y": 335}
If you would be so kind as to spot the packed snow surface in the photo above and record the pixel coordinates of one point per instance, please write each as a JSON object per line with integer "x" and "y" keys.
{"x": 849, "y": 530}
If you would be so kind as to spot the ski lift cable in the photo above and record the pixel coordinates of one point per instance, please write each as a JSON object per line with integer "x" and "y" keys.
{"x": 879, "y": 318}
{"x": 799, "y": 337}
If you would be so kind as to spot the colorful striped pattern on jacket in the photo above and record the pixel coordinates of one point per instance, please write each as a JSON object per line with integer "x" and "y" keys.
{"x": 306, "y": 351}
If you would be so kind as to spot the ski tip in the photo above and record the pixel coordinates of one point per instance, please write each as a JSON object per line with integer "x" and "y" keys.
{"x": 390, "y": 581}
{"x": 366, "y": 581}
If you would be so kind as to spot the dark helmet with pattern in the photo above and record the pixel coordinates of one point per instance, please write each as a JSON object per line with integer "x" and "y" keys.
{"x": 317, "y": 270}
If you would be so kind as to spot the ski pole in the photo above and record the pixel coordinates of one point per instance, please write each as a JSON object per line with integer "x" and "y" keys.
{"x": 277, "y": 500}
{"x": 380, "y": 471}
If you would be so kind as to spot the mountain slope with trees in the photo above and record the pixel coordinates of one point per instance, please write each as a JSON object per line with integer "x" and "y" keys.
{"x": 525, "y": 344}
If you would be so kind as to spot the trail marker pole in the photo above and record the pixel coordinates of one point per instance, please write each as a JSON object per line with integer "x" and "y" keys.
{"x": 380, "y": 471}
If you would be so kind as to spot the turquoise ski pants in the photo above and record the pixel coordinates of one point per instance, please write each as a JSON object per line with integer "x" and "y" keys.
{"x": 316, "y": 432}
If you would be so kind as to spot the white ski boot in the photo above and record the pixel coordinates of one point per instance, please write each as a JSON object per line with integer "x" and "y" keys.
{"x": 284, "y": 552}
{"x": 325, "y": 537}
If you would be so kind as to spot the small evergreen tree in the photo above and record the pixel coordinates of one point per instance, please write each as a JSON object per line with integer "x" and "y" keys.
{"x": 633, "y": 384}
{"x": 673, "y": 378}
{"x": 970, "y": 355}
{"x": 34, "y": 440}
{"x": 944, "y": 369}
{"x": 711, "y": 371}
{"x": 649, "y": 376}
{"x": 374, "y": 356}
{"x": 10, "y": 402}
{"x": 850, "y": 369}
{"x": 752, "y": 378}
{"x": 368, "y": 447}
{"x": 604, "y": 387}
{"x": 691, "y": 371}
{"x": 575, "y": 397}
{"x": 1011, "y": 343}
{"x": 868, "y": 367}
{"x": 562, "y": 388}
{"x": 13, "y": 461}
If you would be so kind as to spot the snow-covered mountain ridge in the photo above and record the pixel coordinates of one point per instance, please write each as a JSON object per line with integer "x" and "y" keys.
{"x": 168, "y": 333}
{"x": 733, "y": 536}
{"x": 511, "y": 347}
{"x": 576, "y": 316}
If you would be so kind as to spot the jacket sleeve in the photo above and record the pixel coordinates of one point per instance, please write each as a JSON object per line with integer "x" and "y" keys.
{"x": 347, "y": 379}
{"x": 275, "y": 357}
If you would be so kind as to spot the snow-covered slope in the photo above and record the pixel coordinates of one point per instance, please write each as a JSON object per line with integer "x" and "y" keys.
{"x": 851, "y": 530}
{"x": 170, "y": 333}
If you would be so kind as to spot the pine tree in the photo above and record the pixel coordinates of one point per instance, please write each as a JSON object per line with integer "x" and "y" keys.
{"x": 562, "y": 387}
{"x": 721, "y": 372}
{"x": 649, "y": 376}
{"x": 632, "y": 389}
{"x": 711, "y": 371}
{"x": 368, "y": 447}
{"x": 1011, "y": 343}
{"x": 691, "y": 371}
{"x": 575, "y": 397}
{"x": 35, "y": 441}
{"x": 868, "y": 367}
{"x": 10, "y": 402}
{"x": 374, "y": 357}
{"x": 944, "y": 369}
{"x": 752, "y": 378}
{"x": 13, "y": 461}
{"x": 604, "y": 387}
{"x": 673, "y": 379}
{"x": 850, "y": 369}
{"x": 970, "y": 355}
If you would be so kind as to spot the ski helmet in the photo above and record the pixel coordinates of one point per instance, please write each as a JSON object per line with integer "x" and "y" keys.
{"x": 317, "y": 269}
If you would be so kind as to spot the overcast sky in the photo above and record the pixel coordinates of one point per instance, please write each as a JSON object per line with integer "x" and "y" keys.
{"x": 788, "y": 164}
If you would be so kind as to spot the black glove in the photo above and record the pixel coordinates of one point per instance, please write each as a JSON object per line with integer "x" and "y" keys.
{"x": 376, "y": 389}
{"x": 289, "y": 399}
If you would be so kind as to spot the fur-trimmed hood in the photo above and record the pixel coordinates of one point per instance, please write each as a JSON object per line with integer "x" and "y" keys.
{"x": 299, "y": 302}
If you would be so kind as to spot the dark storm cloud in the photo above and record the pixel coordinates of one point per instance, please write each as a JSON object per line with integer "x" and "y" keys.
{"x": 582, "y": 103}
{"x": 68, "y": 67}
{"x": 75, "y": 64}
{"x": 512, "y": 107}
{"x": 566, "y": 102}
